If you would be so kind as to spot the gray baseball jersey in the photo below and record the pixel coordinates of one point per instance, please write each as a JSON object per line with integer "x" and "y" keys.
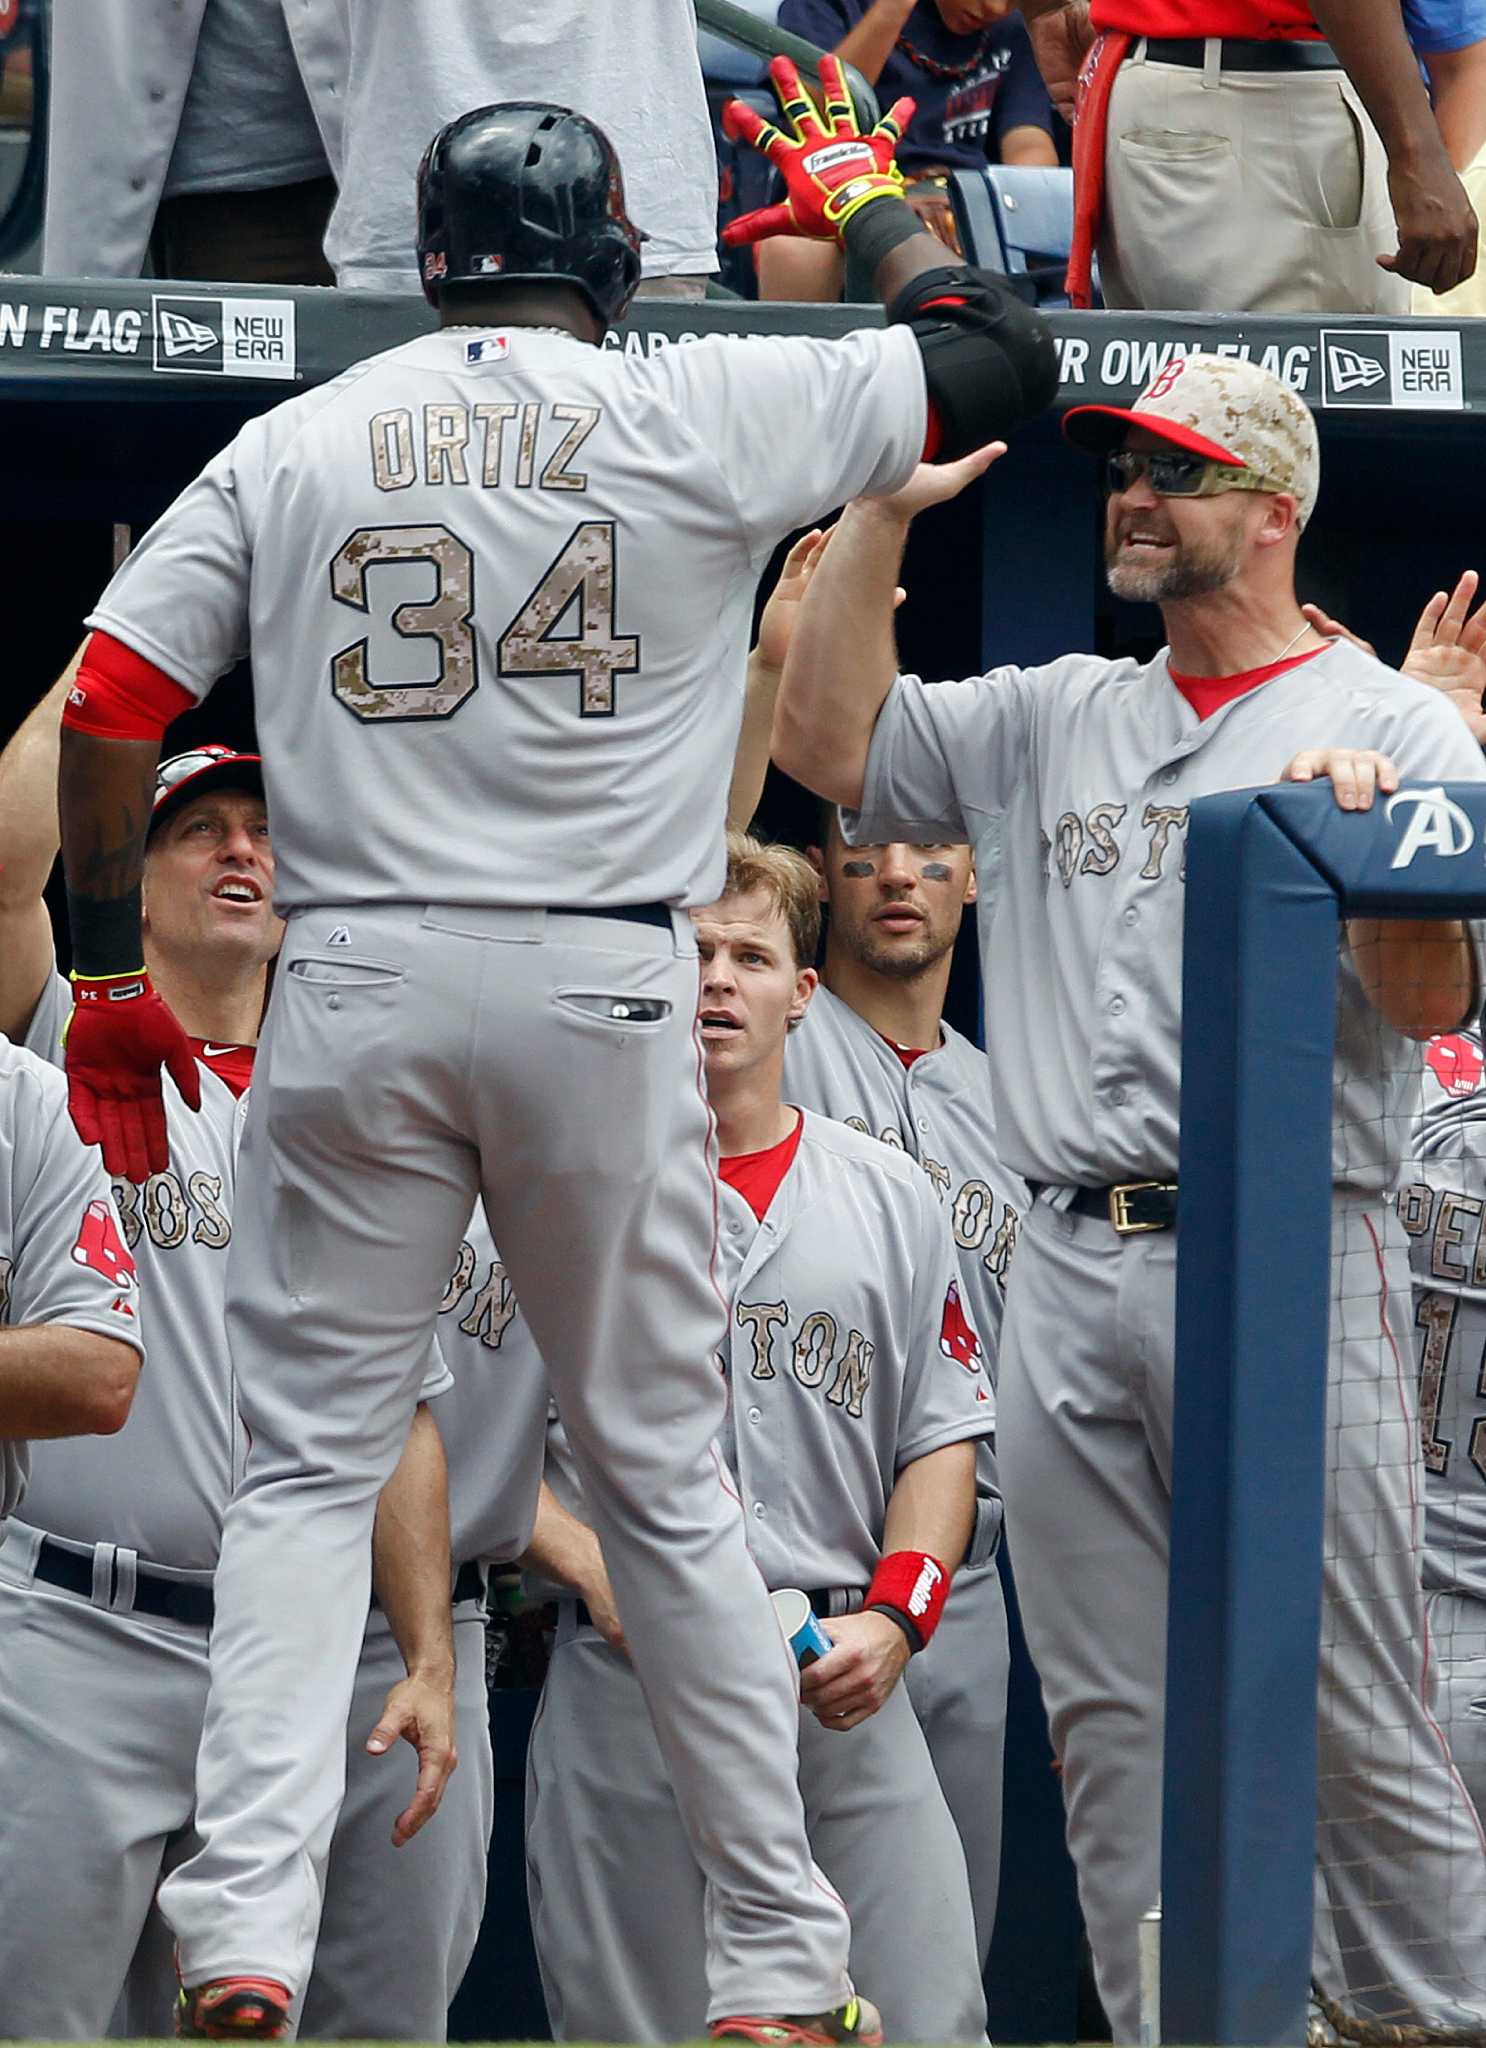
{"x": 1073, "y": 782}
{"x": 618, "y": 65}
{"x": 353, "y": 534}
{"x": 62, "y": 1258}
{"x": 938, "y": 1110}
{"x": 1441, "y": 1205}
{"x": 847, "y": 1358}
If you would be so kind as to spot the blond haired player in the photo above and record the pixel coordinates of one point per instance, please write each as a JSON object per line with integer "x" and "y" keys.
{"x": 856, "y": 1398}
{"x": 1073, "y": 781}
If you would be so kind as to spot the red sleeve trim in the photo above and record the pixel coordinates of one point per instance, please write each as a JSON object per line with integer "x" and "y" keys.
{"x": 118, "y": 695}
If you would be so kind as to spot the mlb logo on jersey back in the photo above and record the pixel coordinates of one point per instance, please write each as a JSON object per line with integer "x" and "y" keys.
{"x": 490, "y": 348}
{"x": 218, "y": 337}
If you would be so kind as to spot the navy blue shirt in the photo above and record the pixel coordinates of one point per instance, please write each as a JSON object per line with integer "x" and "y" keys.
{"x": 960, "y": 119}
{"x": 1438, "y": 25}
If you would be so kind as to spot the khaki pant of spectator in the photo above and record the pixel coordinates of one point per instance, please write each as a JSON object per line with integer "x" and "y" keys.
{"x": 1242, "y": 191}
{"x": 1468, "y": 300}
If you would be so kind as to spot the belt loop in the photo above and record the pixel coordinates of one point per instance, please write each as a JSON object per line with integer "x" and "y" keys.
{"x": 1212, "y": 64}
{"x": 102, "y": 1594}
{"x": 1139, "y": 51}
{"x": 126, "y": 1579}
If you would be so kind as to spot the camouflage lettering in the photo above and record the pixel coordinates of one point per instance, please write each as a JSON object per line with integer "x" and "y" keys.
{"x": 1415, "y": 1204}
{"x": 165, "y": 1214}
{"x": 459, "y": 1279}
{"x": 126, "y": 1197}
{"x": 1068, "y": 840}
{"x": 1103, "y": 856}
{"x": 446, "y": 435}
{"x": 526, "y": 454}
{"x": 393, "y": 464}
{"x": 814, "y": 1348}
{"x": 939, "y": 1175}
{"x": 493, "y": 419}
{"x": 490, "y": 1313}
{"x": 761, "y": 1319}
{"x": 1454, "y": 1214}
{"x": 1159, "y": 819}
{"x": 973, "y": 1213}
{"x": 557, "y": 476}
{"x": 213, "y": 1227}
{"x": 853, "y": 1374}
{"x": 1435, "y": 1315}
{"x": 7, "y": 1267}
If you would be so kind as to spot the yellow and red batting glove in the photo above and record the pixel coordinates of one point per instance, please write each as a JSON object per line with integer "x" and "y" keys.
{"x": 117, "y": 1039}
{"x": 830, "y": 169}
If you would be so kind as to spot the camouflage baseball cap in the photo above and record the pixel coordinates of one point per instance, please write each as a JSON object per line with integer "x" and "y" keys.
{"x": 1222, "y": 408}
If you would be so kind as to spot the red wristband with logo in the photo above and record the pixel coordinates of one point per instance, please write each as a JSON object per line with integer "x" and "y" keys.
{"x": 912, "y": 1587}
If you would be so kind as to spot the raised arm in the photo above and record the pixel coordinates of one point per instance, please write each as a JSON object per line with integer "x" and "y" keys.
{"x": 843, "y": 654}
{"x": 28, "y": 848}
{"x": 1437, "y": 229}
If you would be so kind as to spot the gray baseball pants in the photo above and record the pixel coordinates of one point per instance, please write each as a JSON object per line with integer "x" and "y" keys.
{"x": 547, "y": 1060}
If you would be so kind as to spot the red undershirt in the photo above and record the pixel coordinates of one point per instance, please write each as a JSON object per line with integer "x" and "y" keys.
{"x": 1207, "y": 694}
{"x": 230, "y": 1063}
{"x": 906, "y": 1053}
{"x": 756, "y": 1175}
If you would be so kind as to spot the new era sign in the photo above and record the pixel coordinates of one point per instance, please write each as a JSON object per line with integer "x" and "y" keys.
{"x": 220, "y": 337}
{"x": 1391, "y": 370}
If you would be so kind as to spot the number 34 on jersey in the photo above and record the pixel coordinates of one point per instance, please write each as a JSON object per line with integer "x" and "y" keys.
{"x": 564, "y": 628}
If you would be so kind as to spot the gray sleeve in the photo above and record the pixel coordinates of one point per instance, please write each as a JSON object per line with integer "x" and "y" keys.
{"x": 943, "y": 756}
{"x": 71, "y": 1264}
{"x": 181, "y": 599}
{"x": 945, "y": 1378}
{"x": 798, "y": 426}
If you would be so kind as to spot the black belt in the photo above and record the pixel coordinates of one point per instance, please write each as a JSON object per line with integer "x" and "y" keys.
{"x": 628, "y": 913}
{"x": 1131, "y": 1207}
{"x": 166, "y": 1599}
{"x": 1241, "y": 55}
{"x": 820, "y": 1606}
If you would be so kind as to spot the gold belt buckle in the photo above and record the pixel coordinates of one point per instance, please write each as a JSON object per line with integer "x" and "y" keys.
{"x": 1119, "y": 1206}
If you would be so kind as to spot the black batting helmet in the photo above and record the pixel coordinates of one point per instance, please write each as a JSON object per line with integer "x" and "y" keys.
{"x": 524, "y": 191}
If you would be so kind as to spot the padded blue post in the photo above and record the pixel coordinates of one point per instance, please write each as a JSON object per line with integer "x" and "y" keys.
{"x": 1269, "y": 874}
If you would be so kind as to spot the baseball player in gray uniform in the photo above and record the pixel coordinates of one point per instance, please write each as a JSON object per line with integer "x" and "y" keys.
{"x": 856, "y": 1396}
{"x": 70, "y": 1345}
{"x": 1441, "y": 1206}
{"x": 106, "y": 1586}
{"x": 1072, "y": 782}
{"x": 498, "y": 584}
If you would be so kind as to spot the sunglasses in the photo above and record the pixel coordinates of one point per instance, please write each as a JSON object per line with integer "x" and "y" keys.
{"x": 1177, "y": 475}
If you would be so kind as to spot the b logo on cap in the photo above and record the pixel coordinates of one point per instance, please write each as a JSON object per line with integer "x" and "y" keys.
{"x": 1165, "y": 380}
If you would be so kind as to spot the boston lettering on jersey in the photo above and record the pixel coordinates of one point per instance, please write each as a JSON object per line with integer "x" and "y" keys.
{"x": 973, "y": 1212}
{"x": 819, "y": 1351}
{"x": 171, "y": 1210}
{"x": 1087, "y": 845}
{"x": 450, "y": 443}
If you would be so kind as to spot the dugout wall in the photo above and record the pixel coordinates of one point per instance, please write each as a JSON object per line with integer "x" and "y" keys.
{"x": 113, "y": 395}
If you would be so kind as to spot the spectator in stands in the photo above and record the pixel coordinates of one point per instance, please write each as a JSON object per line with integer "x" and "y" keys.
{"x": 1266, "y": 156}
{"x": 967, "y": 64}
{"x": 1450, "y": 39}
{"x": 201, "y": 133}
{"x": 414, "y": 67}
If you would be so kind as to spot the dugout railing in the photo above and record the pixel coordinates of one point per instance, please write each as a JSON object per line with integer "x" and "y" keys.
{"x": 102, "y": 426}
{"x": 1269, "y": 876}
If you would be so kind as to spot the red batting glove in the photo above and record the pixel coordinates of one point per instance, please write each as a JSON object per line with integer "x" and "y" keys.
{"x": 117, "y": 1039}
{"x": 830, "y": 169}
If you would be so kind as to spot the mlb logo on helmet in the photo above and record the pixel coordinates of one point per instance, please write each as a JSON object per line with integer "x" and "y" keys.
{"x": 100, "y": 1247}
{"x": 1456, "y": 1063}
{"x": 957, "y": 1340}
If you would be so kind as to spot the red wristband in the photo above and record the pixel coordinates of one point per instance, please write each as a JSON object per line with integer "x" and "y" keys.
{"x": 914, "y": 1587}
{"x": 118, "y": 695}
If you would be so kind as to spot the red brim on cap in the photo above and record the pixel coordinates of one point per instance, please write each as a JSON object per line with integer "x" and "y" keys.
{"x": 1103, "y": 428}
{"x": 238, "y": 771}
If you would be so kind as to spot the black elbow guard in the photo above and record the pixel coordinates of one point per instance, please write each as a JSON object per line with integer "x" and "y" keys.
{"x": 990, "y": 362}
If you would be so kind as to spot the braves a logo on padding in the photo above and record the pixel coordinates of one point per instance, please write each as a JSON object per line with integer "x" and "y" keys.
{"x": 957, "y": 1340}
{"x": 1456, "y": 1063}
{"x": 101, "y": 1247}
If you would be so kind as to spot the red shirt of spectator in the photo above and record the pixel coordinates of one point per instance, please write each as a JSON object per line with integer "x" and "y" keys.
{"x": 1260, "y": 21}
